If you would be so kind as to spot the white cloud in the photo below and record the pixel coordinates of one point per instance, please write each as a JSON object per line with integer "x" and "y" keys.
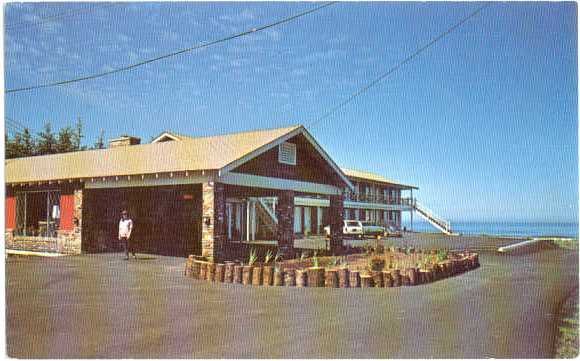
{"x": 244, "y": 15}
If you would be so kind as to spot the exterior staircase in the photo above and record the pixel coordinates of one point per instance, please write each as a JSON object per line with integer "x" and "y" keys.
{"x": 436, "y": 221}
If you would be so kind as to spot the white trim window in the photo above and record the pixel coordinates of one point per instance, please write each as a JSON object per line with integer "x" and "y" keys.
{"x": 297, "y": 219}
{"x": 287, "y": 153}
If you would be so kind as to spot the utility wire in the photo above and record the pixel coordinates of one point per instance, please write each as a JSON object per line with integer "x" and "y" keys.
{"x": 396, "y": 67}
{"x": 51, "y": 18}
{"x": 15, "y": 124}
{"x": 196, "y": 47}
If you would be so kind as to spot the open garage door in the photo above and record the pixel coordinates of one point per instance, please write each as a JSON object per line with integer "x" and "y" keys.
{"x": 167, "y": 220}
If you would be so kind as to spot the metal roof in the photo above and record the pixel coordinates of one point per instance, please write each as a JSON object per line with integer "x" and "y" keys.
{"x": 189, "y": 154}
{"x": 351, "y": 173}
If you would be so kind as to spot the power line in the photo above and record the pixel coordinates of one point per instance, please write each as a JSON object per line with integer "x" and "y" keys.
{"x": 196, "y": 47}
{"x": 396, "y": 67}
{"x": 16, "y": 124}
{"x": 48, "y": 19}
{"x": 13, "y": 130}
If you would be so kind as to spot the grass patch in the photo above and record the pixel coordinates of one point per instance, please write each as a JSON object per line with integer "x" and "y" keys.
{"x": 567, "y": 341}
{"x": 566, "y": 243}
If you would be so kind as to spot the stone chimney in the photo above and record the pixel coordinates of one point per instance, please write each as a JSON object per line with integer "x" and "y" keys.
{"x": 123, "y": 141}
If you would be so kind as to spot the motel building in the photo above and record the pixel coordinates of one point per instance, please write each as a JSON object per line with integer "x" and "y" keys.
{"x": 186, "y": 195}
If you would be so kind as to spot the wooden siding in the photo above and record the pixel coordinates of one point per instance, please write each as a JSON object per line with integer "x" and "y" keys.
{"x": 310, "y": 166}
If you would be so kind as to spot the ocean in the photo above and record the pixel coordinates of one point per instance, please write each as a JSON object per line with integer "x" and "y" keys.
{"x": 512, "y": 229}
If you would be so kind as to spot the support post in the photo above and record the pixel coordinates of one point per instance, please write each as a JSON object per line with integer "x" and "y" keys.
{"x": 285, "y": 229}
{"x": 213, "y": 221}
{"x": 336, "y": 213}
{"x": 412, "y": 209}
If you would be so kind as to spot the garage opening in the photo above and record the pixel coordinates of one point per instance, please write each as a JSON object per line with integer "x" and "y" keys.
{"x": 167, "y": 220}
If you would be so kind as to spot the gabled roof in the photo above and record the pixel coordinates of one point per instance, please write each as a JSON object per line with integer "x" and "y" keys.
{"x": 167, "y": 135}
{"x": 351, "y": 173}
{"x": 220, "y": 152}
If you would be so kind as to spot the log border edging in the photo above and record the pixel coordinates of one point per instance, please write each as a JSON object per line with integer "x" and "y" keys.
{"x": 336, "y": 277}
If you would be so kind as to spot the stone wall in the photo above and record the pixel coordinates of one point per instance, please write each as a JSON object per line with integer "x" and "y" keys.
{"x": 213, "y": 234}
{"x": 336, "y": 214}
{"x": 28, "y": 243}
{"x": 67, "y": 242}
{"x": 285, "y": 229}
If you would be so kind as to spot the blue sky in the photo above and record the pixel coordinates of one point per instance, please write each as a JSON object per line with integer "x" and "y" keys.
{"x": 484, "y": 122}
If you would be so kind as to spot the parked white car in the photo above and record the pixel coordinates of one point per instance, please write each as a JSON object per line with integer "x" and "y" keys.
{"x": 350, "y": 228}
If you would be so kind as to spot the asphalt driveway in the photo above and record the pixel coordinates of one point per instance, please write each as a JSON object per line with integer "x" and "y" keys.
{"x": 102, "y": 306}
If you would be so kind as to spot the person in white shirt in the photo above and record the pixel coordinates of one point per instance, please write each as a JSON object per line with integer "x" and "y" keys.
{"x": 125, "y": 229}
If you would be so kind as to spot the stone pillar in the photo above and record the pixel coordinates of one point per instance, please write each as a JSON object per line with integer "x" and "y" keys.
{"x": 213, "y": 222}
{"x": 285, "y": 230}
{"x": 336, "y": 217}
{"x": 9, "y": 238}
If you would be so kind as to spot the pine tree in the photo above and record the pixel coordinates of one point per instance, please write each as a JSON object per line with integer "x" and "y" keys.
{"x": 100, "y": 143}
{"x": 46, "y": 141}
{"x": 66, "y": 141}
{"x": 78, "y": 135}
{"x": 28, "y": 143}
{"x": 14, "y": 146}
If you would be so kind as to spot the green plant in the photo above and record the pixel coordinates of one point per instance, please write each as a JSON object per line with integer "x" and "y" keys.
{"x": 315, "y": 260}
{"x": 376, "y": 264}
{"x": 367, "y": 249}
{"x": 278, "y": 256}
{"x": 333, "y": 262}
{"x": 268, "y": 257}
{"x": 253, "y": 257}
{"x": 442, "y": 255}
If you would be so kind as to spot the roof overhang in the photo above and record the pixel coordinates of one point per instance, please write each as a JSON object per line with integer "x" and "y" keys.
{"x": 392, "y": 184}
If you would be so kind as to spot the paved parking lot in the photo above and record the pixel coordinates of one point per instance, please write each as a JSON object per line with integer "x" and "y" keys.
{"x": 103, "y": 306}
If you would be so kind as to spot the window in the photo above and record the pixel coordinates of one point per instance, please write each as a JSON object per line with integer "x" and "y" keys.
{"x": 287, "y": 153}
{"x": 297, "y": 219}
{"x": 307, "y": 220}
{"x": 37, "y": 213}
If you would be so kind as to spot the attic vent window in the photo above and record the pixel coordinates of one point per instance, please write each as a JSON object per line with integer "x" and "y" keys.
{"x": 287, "y": 153}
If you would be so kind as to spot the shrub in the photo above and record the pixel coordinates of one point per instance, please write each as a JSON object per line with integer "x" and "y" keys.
{"x": 441, "y": 255}
{"x": 278, "y": 256}
{"x": 315, "y": 260}
{"x": 253, "y": 257}
{"x": 333, "y": 262}
{"x": 376, "y": 264}
{"x": 268, "y": 257}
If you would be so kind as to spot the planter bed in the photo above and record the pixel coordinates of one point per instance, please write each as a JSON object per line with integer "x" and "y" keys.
{"x": 393, "y": 267}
